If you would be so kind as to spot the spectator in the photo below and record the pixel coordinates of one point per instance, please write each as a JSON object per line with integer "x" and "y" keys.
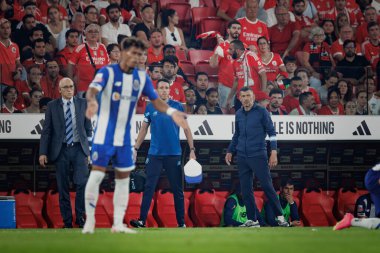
{"x": 33, "y": 81}
{"x": 113, "y": 28}
{"x": 125, "y": 16}
{"x": 9, "y": 57}
{"x": 251, "y": 27}
{"x": 307, "y": 105}
{"x": 9, "y": 96}
{"x": 248, "y": 71}
{"x": 34, "y": 106}
{"x": 63, "y": 56}
{"x": 305, "y": 76}
{"x": 334, "y": 107}
{"x": 350, "y": 108}
{"x": 200, "y": 109}
{"x": 273, "y": 18}
{"x": 262, "y": 14}
{"x": 317, "y": 57}
{"x": 345, "y": 89}
{"x": 44, "y": 7}
{"x": 376, "y": 5}
{"x": 43, "y": 104}
{"x": 191, "y": 100}
{"x": 371, "y": 47}
{"x": 364, "y": 207}
{"x": 39, "y": 55}
{"x": 143, "y": 30}
{"x": 100, "y": 4}
{"x": 340, "y": 7}
{"x": 212, "y": 97}
{"x": 345, "y": 33}
{"x": 275, "y": 106}
{"x": 155, "y": 51}
{"x": 88, "y": 58}
{"x": 353, "y": 67}
{"x": 50, "y": 81}
{"x": 28, "y": 8}
{"x": 288, "y": 206}
{"x": 329, "y": 28}
{"x": 370, "y": 86}
{"x": 302, "y": 21}
{"x": 170, "y": 52}
{"x": 201, "y": 86}
{"x": 91, "y": 15}
{"x": 323, "y": 90}
{"x": 370, "y": 15}
{"x": 341, "y": 20}
{"x": 374, "y": 104}
{"x": 290, "y": 66}
{"x": 73, "y": 7}
{"x": 291, "y": 101}
{"x": 222, "y": 60}
{"x": 172, "y": 34}
{"x": 228, "y": 9}
{"x": 77, "y": 23}
{"x": 113, "y": 51}
{"x": 55, "y": 24}
{"x": 361, "y": 103}
{"x": 27, "y": 50}
{"x": 274, "y": 67}
{"x": 155, "y": 72}
{"x": 169, "y": 72}
{"x": 138, "y": 6}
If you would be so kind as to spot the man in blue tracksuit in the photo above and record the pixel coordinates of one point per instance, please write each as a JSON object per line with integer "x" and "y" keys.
{"x": 252, "y": 124}
{"x": 164, "y": 152}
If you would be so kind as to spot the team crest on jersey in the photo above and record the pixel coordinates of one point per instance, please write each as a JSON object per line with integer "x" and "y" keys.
{"x": 118, "y": 84}
{"x": 136, "y": 85}
{"x": 101, "y": 53}
{"x": 259, "y": 29}
{"x": 177, "y": 91}
{"x": 116, "y": 96}
{"x": 95, "y": 156}
{"x": 95, "y": 53}
{"x": 13, "y": 50}
{"x": 274, "y": 63}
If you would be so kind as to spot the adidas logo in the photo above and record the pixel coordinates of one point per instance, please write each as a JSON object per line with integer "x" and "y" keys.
{"x": 362, "y": 129}
{"x": 204, "y": 129}
{"x": 38, "y": 128}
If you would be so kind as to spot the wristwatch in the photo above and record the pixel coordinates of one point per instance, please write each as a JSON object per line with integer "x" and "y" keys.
{"x": 192, "y": 149}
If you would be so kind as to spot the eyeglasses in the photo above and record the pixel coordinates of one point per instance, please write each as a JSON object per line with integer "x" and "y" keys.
{"x": 68, "y": 87}
{"x": 93, "y": 32}
{"x": 174, "y": 38}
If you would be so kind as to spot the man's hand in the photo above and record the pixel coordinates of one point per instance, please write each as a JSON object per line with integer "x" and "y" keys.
{"x": 295, "y": 223}
{"x": 92, "y": 108}
{"x": 43, "y": 160}
{"x": 273, "y": 160}
{"x": 180, "y": 119}
{"x": 289, "y": 198}
{"x": 192, "y": 155}
{"x": 228, "y": 158}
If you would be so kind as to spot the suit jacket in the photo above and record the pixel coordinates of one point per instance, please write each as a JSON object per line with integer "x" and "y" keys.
{"x": 53, "y": 133}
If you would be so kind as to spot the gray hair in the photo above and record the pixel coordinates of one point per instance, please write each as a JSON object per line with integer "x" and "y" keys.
{"x": 316, "y": 30}
{"x": 77, "y": 15}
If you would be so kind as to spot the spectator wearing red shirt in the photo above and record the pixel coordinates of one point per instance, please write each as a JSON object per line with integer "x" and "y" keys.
{"x": 125, "y": 17}
{"x": 78, "y": 22}
{"x": 307, "y": 105}
{"x": 9, "y": 96}
{"x": 222, "y": 60}
{"x": 334, "y": 107}
{"x": 63, "y": 56}
{"x": 228, "y": 9}
{"x": 24, "y": 8}
{"x": 50, "y": 81}
{"x": 85, "y": 69}
{"x": 272, "y": 18}
{"x": 302, "y": 21}
{"x": 272, "y": 62}
{"x": 371, "y": 47}
{"x": 155, "y": 51}
{"x": 73, "y": 7}
{"x": 305, "y": 76}
{"x": 34, "y": 107}
{"x": 155, "y": 72}
{"x": 39, "y": 53}
{"x": 340, "y": 7}
{"x": 284, "y": 36}
{"x": 44, "y": 6}
{"x": 291, "y": 101}
{"x": 275, "y": 106}
{"x": 370, "y": 15}
{"x": 323, "y": 5}
{"x": 33, "y": 81}
{"x": 169, "y": 72}
{"x": 345, "y": 33}
{"x": 248, "y": 70}
{"x": 251, "y": 27}
{"x": 9, "y": 56}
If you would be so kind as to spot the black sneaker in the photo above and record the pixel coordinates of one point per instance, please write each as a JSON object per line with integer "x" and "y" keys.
{"x": 283, "y": 223}
{"x": 137, "y": 223}
{"x": 182, "y": 226}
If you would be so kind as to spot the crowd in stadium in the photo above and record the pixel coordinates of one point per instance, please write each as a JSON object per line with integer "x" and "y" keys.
{"x": 301, "y": 57}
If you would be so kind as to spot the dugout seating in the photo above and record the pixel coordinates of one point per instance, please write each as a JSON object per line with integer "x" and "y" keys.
{"x": 164, "y": 211}
{"x": 207, "y": 208}
{"x": 345, "y": 202}
{"x": 28, "y": 210}
{"x": 133, "y": 210}
{"x": 317, "y": 208}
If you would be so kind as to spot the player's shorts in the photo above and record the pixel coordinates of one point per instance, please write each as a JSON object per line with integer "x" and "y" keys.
{"x": 223, "y": 95}
{"x": 121, "y": 157}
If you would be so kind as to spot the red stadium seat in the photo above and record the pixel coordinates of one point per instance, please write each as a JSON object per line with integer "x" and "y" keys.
{"x": 223, "y": 194}
{"x": 183, "y": 11}
{"x": 212, "y": 73}
{"x": 181, "y": 54}
{"x": 207, "y": 208}
{"x": 188, "y": 68}
{"x": 317, "y": 209}
{"x": 212, "y": 24}
{"x": 133, "y": 210}
{"x": 346, "y": 202}
{"x": 208, "y": 3}
{"x": 199, "y": 13}
{"x": 28, "y": 211}
{"x": 163, "y": 3}
{"x": 196, "y": 56}
{"x": 3, "y": 193}
{"x": 164, "y": 210}
{"x": 52, "y": 209}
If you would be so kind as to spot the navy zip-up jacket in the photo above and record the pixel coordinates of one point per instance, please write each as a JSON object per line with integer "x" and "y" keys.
{"x": 251, "y": 128}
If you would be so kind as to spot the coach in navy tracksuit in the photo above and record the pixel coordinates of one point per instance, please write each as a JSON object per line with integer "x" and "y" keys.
{"x": 164, "y": 152}
{"x": 252, "y": 124}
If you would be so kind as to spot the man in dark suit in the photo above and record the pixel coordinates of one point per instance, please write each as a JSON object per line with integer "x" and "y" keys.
{"x": 64, "y": 141}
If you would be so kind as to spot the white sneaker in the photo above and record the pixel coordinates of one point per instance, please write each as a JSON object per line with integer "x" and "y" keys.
{"x": 122, "y": 229}
{"x": 88, "y": 228}
{"x": 251, "y": 224}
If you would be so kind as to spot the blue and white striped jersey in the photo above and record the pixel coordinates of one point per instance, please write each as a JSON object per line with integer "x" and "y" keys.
{"x": 117, "y": 98}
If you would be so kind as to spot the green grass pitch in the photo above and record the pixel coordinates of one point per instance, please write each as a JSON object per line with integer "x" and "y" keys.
{"x": 194, "y": 240}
